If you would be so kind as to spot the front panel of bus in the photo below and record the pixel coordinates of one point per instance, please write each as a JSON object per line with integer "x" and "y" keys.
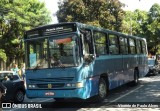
{"x": 55, "y": 69}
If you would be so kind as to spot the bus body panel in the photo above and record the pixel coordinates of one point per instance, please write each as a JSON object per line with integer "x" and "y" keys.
{"x": 59, "y": 78}
{"x": 116, "y": 67}
{"x": 87, "y": 91}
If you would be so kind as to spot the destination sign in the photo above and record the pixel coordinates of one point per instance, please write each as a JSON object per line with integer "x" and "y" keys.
{"x": 50, "y": 30}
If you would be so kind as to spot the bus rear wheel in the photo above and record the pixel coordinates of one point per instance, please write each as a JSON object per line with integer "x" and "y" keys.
{"x": 136, "y": 77}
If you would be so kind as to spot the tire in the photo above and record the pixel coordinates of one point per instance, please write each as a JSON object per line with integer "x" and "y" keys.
{"x": 102, "y": 92}
{"x": 155, "y": 72}
{"x": 136, "y": 77}
{"x": 19, "y": 97}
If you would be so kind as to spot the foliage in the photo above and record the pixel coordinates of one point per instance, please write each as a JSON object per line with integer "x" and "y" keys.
{"x": 153, "y": 29}
{"x": 16, "y": 17}
{"x": 133, "y": 23}
{"x": 3, "y": 55}
{"x": 145, "y": 24}
{"x": 94, "y": 12}
{"x": 109, "y": 14}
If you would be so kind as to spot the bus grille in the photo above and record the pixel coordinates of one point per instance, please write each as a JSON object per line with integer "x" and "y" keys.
{"x": 48, "y": 80}
{"x": 55, "y": 85}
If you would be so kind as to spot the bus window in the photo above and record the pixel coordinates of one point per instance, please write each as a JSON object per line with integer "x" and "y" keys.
{"x": 100, "y": 42}
{"x": 144, "y": 47}
{"x": 127, "y": 45}
{"x": 123, "y": 45}
{"x": 37, "y": 54}
{"x": 63, "y": 52}
{"x": 141, "y": 48}
{"x": 87, "y": 44}
{"x": 138, "y": 47}
{"x": 132, "y": 46}
{"x": 113, "y": 44}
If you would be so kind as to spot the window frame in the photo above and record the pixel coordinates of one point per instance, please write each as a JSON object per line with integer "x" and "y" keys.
{"x": 134, "y": 46}
{"x": 114, "y": 44}
{"x": 143, "y": 47}
{"x": 138, "y": 46}
{"x": 105, "y": 42}
{"x": 125, "y": 45}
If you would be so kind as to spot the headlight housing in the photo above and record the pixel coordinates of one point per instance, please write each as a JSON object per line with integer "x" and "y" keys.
{"x": 30, "y": 86}
{"x": 75, "y": 85}
{"x": 79, "y": 85}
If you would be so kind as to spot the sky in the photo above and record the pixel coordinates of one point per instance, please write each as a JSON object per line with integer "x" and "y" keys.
{"x": 130, "y": 5}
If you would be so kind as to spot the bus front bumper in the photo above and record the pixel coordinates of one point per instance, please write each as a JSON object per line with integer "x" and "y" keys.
{"x": 69, "y": 93}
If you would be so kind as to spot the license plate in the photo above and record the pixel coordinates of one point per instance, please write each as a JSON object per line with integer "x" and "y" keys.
{"x": 49, "y": 94}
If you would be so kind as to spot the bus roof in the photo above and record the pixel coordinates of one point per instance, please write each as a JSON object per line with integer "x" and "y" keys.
{"x": 81, "y": 25}
{"x": 51, "y": 25}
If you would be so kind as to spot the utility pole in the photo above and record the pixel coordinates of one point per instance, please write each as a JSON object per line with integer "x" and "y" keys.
{"x": 131, "y": 25}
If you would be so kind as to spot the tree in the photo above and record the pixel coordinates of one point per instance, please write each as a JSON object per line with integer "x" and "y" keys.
{"x": 133, "y": 23}
{"x": 16, "y": 17}
{"x": 109, "y": 14}
{"x": 153, "y": 29}
{"x": 104, "y": 13}
{"x": 3, "y": 55}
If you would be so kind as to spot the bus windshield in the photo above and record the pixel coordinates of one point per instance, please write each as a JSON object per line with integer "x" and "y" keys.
{"x": 53, "y": 52}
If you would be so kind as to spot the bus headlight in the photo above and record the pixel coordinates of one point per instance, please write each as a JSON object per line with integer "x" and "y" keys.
{"x": 31, "y": 86}
{"x": 70, "y": 85}
{"x": 77, "y": 85}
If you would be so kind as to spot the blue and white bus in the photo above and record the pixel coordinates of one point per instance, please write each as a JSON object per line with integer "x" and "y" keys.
{"x": 75, "y": 60}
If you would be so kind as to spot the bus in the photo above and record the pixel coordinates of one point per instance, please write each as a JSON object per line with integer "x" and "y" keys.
{"x": 80, "y": 61}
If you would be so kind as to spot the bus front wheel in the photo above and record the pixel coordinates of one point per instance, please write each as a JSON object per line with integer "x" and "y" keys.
{"x": 102, "y": 92}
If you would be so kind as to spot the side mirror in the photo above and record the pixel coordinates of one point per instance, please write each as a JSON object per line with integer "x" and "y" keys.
{"x": 88, "y": 58}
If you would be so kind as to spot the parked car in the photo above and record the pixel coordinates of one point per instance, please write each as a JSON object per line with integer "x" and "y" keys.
{"x": 3, "y": 90}
{"x": 153, "y": 67}
{"x": 15, "y": 87}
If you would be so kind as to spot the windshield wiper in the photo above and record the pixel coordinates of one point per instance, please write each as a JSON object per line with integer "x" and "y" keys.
{"x": 58, "y": 64}
{"x": 36, "y": 67}
{"x": 61, "y": 65}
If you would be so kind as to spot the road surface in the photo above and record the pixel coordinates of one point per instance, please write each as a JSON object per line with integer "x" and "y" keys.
{"x": 143, "y": 97}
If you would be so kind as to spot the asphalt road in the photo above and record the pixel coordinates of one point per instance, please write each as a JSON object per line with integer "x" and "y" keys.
{"x": 145, "y": 96}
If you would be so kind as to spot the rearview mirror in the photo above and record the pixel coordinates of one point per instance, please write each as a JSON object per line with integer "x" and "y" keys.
{"x": 88, "y": 58}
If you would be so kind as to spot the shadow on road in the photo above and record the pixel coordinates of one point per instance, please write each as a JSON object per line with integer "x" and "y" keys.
{"x": 147, "y": 92}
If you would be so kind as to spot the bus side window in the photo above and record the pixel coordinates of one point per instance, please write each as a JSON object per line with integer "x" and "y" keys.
{"x": 113, "y": 44}
{"x": 87, "y": 44}
{"x": 126, "y": 45}
{"x": 132, "y": 46}
{"x": 144, "y": 47}
{"x": 141, "y": 47}
{"x": 100, "y": 42}
{"x": 138, "y": 46}
{"x": 122, "y": 45}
